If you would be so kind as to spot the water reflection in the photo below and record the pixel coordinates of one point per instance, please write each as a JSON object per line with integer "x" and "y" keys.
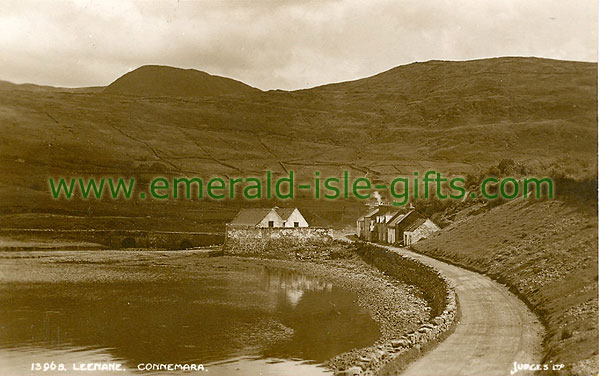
{"x": 254, "y": 320}
{"x": 293, "y": 284}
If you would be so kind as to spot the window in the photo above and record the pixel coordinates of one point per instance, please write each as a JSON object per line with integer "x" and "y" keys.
{"x": 271, "y": 224}
{"x": 296, "y": 224}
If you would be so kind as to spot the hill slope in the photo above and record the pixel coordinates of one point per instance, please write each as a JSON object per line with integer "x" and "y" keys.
{"x": 454, "y": 117}
{"x": 548, "y": 253}
{"x": 155, "y": 80}
{"x": 447, "y": 94}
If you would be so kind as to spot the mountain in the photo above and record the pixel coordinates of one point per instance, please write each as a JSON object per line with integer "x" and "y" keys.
{"x": 6, "y": 85}
{"x": 452, "y": 117}
{"x": 156, "y": 80}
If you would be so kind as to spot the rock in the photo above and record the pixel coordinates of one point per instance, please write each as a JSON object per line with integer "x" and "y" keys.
{"x": 352, "y": 371}
{"x": 400, "y": 343}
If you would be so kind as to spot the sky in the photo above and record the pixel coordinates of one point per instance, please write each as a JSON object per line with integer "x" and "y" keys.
{"x": 279, "y": 44}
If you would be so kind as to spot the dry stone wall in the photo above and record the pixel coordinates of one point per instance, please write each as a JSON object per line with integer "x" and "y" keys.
{"x": 391, "y": 357}
{"x": 254, "y": 241}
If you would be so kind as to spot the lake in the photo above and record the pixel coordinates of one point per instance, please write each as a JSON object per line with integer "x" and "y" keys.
{"x": 234, "y": 320}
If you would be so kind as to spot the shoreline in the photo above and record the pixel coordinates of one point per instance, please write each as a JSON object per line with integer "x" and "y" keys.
{"x": 375, "y": 268}
{"x": 399, "y": 309}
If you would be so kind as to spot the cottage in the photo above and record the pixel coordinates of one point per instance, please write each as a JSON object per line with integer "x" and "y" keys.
{"x": 253, "y": 231}
{"x": 381, "y": 219}
{"x": 372, "y": 226}
{"x": 391, "y": 227}
{"x": 268, "y": 218}
{"x": 389, "y": 224}
{"x": 291, "y": 217}
{"x": 360, "y": 226}
{"x": 363, "y": 224}
{"x": 419, "y": 230}
{"x": 400, "y": 223}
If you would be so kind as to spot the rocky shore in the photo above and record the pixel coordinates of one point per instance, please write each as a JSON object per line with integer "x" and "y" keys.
{"x": 414, "y": 304}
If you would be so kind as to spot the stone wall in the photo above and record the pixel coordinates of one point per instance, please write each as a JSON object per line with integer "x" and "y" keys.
{"x": 118, "y": 239}
{"x": 252, "y": 240}
{"x": 161, "y": 239}
{"x": 392, "y": 357}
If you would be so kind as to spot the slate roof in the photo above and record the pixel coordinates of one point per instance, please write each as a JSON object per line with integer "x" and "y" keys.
{"x": 396, "y": 218}
{"x": 415, "y": 225}
{"x": 407, "y": 220}
{"x": 370, "y": 213}
{"x": 250, "y": 217}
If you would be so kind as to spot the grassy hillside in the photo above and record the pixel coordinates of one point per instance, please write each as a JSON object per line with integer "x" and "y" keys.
{"x": 547, "y": 252}
{"x": 455, "y": 117}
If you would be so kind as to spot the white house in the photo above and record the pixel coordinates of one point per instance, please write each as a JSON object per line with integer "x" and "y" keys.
{"x": 291, "y": 217}
{"x": 268, "y": 218}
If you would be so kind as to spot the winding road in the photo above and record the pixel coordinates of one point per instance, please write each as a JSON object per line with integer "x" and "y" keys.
{"x": 495, "y": 329}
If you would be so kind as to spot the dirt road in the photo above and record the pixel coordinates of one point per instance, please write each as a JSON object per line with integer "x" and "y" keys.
{"x": 495, "y": 329}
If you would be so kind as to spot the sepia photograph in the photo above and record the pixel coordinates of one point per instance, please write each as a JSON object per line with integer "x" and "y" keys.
{"x": 299, "y": 187}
